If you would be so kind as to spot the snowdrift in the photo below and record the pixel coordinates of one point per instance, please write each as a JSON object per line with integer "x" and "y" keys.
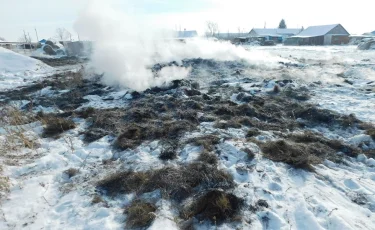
{"x": 17, "y": 69}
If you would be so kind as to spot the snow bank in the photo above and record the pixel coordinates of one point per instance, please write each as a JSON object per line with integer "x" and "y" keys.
{"x": 17, "y": 69}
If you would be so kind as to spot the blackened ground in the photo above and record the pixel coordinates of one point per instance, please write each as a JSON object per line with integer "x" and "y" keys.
{"x": 168, "y": 113}
{"x": 68, "y": 88}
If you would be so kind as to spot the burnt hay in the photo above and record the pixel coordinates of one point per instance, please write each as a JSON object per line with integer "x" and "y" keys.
{"x": 176, "y": 182}
{"x": 55, "y": 125}
{"x": 140, "y": 214}
{"x": 215, "y": 205}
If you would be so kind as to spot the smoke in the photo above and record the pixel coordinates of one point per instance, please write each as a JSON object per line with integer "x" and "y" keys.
{"x": 125, "y": 48}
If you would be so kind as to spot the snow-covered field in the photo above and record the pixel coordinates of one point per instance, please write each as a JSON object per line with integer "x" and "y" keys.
{"x": 17, "y": 69}
{"x": 335, "y": 195}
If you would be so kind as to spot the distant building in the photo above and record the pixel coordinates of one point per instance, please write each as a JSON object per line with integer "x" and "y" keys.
{"x": 320, "y": 35}
{"x": 276, "y": 35}
{"x": 231, "y": 36}
{"x": 78, "y": 48}
{"x": 186, "y": 34}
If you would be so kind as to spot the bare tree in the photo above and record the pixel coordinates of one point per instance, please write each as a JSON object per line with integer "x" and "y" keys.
{"x": 24, "y": 39}
{"x": 239, "y": 31}
{"x": 62, "y": 34}
{"x": 212, "y": 28}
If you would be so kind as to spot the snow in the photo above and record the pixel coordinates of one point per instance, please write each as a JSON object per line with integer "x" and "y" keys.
{"x": 43, "y": 197}
{"x": 17, "y": 70}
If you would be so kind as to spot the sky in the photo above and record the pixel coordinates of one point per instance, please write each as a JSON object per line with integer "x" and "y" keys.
{"x": 17, "y": 16}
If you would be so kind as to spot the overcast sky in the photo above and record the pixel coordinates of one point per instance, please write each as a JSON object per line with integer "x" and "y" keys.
{"x": 46, "y": 16}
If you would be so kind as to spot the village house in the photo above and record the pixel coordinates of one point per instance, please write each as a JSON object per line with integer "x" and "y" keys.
{"x": 320, "y": 35}
{"x": 231, "y": 36}
{"x": 276, "y": 35}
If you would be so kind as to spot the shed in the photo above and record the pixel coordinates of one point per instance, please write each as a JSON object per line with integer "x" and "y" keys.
{"x": 277, "y": 35}
{"x": 321, "y": 35}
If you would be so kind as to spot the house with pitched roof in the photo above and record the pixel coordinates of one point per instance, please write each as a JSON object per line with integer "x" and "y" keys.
{"x": 276, "y": 35}
{"x": 334, "y": 34}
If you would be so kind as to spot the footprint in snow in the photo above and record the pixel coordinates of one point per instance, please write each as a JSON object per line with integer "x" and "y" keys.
{"x": 351, "y": 184}
{"x": 274, "y": 187}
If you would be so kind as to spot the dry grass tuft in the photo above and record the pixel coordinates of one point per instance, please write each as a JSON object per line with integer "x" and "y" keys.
{"x": 216, "y": 206}
{"x": 306, "y": 149}
{"x": 71, "y": 172}
{"x": 56, "y": 125}
{"x": 276, "y": 89}
{"x": 294, "y": 154}
{"x": 139, "y": 214}
{"x": 250, "y": 154}
{"x": 86, "y": 113}
{"x": 207, "y": 157}
{"x": 134, "y": 134}
{"x": 124, "y": 182}
{"x": 208, "y": 141}
{"x": 252, "y": 133}
{"x": 96, "y": 199}
{"x": 371, "y": 132}
{"x": 15, "y": 123}
{"x": 4, "y": 184}
{"x": 176, "y": 182}
{"x": 13, "y": 136}
{"x": 228, "y": 124}
{"x": 332, "y": 146}
{"x": 169, "y": 151}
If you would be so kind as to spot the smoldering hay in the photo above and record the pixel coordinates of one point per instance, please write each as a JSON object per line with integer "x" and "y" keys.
{"x": 125, "y": 47}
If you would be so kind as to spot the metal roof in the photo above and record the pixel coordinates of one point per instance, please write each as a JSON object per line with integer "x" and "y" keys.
{"x": 315, "y": 31}
{"x": 230, "y": 35}
{"x": 275, "y": 32}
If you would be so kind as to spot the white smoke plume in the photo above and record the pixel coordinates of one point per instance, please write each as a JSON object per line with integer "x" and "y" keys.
{"x": 125, "y": 48}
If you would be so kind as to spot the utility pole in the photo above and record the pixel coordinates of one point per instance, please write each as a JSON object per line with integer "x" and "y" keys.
{"x": 29, "y": 40}
{"x": 24, "y": 44}
{"x": 78, "y": 37}
{"x": 37, "y": 38}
